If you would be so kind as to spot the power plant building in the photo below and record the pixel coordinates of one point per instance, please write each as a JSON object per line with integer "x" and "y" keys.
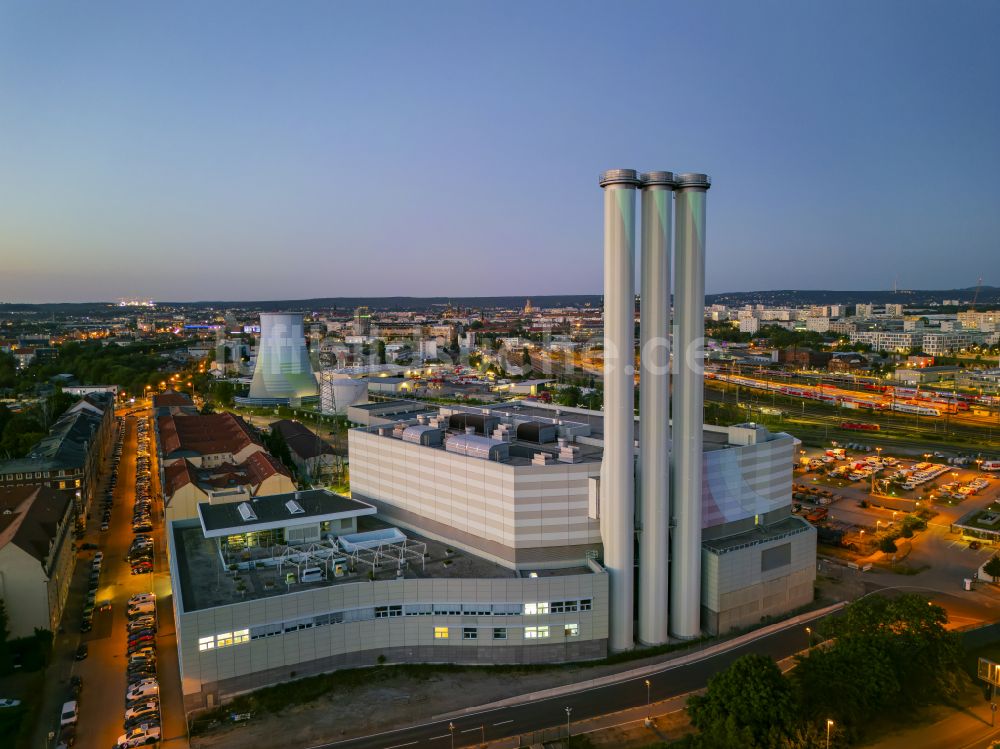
{"x": 282, "y": 374}
{"x": 508, "y": 533}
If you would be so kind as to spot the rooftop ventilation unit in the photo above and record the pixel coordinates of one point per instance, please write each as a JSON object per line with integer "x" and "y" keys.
{"x": 294, "y": 508}
{"x": 246, "y": 512}
{"x": 536, "y": 431}
{"x": 423, "y": 434}
{"x": 541, "y": 459}
{"x": 476, "y": 446}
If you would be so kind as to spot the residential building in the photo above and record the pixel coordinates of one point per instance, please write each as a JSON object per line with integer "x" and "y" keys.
{"x": 313, "y": 456}
{"x": 206, "y": 440}
{"x": 185, "y": 484}
{"x": 36, "y": 556}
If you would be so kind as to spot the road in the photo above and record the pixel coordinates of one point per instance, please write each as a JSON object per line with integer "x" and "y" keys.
{"x": 492, "y": 724}
{"x": 104, "y": 670}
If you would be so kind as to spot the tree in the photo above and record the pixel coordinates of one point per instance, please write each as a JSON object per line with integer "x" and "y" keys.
{"x": 380, "y": 351}
{"x": 992, "y": 567}
{"x": 887, "y": 544}
{"x": 924, "y": 657}
{"x": 569, "y": 396}
{"x": 750, "y": 704}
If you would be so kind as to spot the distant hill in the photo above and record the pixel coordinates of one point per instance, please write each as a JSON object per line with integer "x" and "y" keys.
{"x": 989, "y": 296}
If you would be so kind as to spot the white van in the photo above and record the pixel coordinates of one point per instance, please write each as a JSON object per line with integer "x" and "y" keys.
{"x": 68, "y": 714}
{"x": 311, "y": 575}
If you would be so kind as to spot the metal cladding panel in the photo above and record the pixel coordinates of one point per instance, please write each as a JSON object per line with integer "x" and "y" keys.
{"x": 739, "y": 483}
{"x": 283, "y": 369}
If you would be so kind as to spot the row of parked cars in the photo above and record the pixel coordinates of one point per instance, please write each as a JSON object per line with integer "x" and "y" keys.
{"x": 109, "y": 494}
{"x": 142, "y": 696}
{"x": 142, "y": 511}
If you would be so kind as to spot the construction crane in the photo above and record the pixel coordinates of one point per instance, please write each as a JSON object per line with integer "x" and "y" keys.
{"x": 975, "y": 297}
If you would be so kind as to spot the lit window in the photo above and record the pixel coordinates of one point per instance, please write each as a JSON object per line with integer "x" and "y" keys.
{"x": 571, "y": 630}
{"x": 536, "y": 608}
{"x": 224, "y": 640}
{"x": 499, "y": 633}
{"x": 470, "y": 633}
{"x": 532, "y": 633}
{"x": 440, "y": 633}
{"x": 206, "y": 643}
{"x": 241, "y": 635}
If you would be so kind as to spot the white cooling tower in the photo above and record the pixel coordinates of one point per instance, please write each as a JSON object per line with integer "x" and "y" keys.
{"x": 283, "y": 369}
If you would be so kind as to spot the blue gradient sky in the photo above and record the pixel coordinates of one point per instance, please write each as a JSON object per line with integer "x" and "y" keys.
{"x": 237, "y": 150}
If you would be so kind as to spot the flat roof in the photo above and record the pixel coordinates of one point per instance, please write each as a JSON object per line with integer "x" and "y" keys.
{"x": 760, "y": 534}
{"x": 199, "y": 567}
{"x": 278, "y": 511}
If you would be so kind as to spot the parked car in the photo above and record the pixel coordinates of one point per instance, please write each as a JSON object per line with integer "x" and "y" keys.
{"x": 142, "y": 689}
{"x": 141, "y": 707}
{"x": 138, "y": 736}
{"x": 67, "y": 736}
{"x": 9, "y": 703}
{"x": 82, "y": 652}
{"x": 69, "y": 713}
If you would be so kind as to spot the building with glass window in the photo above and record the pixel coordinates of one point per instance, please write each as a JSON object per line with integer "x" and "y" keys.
{"x": 311, "y": 581}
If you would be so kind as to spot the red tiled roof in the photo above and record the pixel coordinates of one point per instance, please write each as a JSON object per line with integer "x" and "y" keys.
{"x": 205, "y": 435}
{"x": 257, "y": 468}
{"x": 261, "y": 466}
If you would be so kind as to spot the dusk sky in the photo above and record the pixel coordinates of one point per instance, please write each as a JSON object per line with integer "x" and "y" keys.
{"x": 244, "y": 150}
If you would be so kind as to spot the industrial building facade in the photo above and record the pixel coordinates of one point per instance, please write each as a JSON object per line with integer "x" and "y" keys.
{"x": 443, "y": 607}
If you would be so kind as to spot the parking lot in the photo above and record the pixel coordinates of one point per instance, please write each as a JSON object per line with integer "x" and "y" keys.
{"x": 851, "y": 520}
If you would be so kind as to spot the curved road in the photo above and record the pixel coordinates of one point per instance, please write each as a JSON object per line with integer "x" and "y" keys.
{"x": 502, "y": 722}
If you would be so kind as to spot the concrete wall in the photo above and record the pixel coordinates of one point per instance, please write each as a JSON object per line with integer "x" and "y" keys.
{"x": 210, "y": 676}
{"x": 738, "y": 590}
{"x": 496, "y": 509}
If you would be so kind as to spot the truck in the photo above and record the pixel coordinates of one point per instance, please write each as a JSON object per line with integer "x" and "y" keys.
{"x": 990, "y": 465}
{"x": 837, "y": 453}
{"x": 817, "y": 515}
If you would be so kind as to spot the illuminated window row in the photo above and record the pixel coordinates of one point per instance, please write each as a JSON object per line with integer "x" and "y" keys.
{"x": 500, "y": 633}
{"x": 224, "y": 640}
{"x": 558, "y": 607}
{"x": 415, "y": 609}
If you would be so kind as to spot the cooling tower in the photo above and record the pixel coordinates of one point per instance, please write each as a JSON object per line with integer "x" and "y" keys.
{"x": 283, "y": 369}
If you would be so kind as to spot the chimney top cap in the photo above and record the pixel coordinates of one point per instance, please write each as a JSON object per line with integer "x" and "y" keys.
{"x": 650, "y": 179}
{"x": 627, "y": 177}
{"x": 693, "y": 180}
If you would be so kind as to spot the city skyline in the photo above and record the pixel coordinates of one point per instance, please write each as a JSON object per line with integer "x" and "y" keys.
{"x": 247, "y": 152}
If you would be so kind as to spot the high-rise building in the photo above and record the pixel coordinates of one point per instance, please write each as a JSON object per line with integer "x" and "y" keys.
{"x": 362, "y": 321}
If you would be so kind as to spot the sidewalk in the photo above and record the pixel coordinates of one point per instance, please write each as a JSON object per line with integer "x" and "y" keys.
{"x": 669, "y": 722}
{"x": 650, "y": 669}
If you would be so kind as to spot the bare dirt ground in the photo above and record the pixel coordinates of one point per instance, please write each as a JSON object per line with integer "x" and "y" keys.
{"x": 385, "y": 703}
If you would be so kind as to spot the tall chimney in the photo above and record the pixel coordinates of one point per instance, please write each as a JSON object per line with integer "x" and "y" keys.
{"x": 617, "y": 468}
{"x": 689, "y": 296}
{"x": 654, "y": 407}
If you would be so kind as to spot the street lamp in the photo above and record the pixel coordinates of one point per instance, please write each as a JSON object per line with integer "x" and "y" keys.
{"x": 649, "y": 718}
{"x": 809, "y": 636}
{"x": 568, "y": 711}
{"x": 829, "y": 725}
{"x": 451, "y": 728}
